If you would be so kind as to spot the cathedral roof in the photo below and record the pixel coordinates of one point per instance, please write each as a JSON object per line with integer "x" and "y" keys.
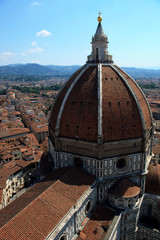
{"x": 100, "y": 100}
{"x": 34, "y": 217}
{"x": 125, "y": 188}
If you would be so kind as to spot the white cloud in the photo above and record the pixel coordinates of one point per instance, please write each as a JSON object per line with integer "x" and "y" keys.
{"x": 36, "y": 4}
{"x": 34, "y": 43}
{"x": 6, "y": 55}
{"x": 43, "y": 33}
{"x": 33, "y": 50}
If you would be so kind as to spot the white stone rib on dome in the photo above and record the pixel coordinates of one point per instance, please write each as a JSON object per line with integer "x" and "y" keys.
{"x": 66, "y": 97}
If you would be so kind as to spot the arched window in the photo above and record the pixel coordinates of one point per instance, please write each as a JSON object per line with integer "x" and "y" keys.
{"x": 149, "y": 210}
{"x": 88, "y": 206}
{"x": 97, "y": 54}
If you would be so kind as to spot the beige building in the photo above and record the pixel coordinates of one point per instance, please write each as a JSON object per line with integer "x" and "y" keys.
{"x": 14, "y": 177}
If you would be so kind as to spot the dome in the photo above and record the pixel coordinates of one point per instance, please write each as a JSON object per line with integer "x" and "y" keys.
{"x": 100, "y": 103}
{"x": 124, "y": 194}
{"x": 124, "y": 188}
{"x": 101, "y": 100}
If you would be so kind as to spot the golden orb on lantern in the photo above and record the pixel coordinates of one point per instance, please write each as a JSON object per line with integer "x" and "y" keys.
{"x": 99, "y": 17}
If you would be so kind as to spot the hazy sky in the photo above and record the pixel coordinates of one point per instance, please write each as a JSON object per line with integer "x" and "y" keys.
{"x": 59, "y": 31}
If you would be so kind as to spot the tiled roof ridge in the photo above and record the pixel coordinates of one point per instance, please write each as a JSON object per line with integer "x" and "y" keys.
{"x": 57, "y": 181}
{"x": 53, "y": 207}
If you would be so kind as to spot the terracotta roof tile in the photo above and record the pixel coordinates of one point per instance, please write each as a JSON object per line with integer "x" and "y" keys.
{"x": 38, "y": 219}
{"x": 125, "y": 188}
{"x": 121, "y": 118}
{"x": 7, "y": 213}
{"x": 13, "y": 131}
{"x": 141, "y": 98}
{"x": 59, "y": 99}
{"x": 80, "y": 115}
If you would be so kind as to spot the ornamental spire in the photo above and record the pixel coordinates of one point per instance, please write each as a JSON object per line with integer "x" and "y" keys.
{"x": 99, "y": 46}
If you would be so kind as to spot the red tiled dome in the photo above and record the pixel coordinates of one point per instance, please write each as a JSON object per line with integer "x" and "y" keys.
{"x": 125, "y": 188}
{"x": 100, "y": 100}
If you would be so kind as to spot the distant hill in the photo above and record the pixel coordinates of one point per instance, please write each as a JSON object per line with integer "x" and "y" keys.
{"x": 37, "y": 69}
{"x": 142, "y": 72}
{"x": 66, "y": 71}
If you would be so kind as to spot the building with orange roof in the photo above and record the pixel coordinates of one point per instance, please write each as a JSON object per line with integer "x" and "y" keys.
{"x": 14, "y": 176}
{"x": 18, "y": 165}
{"x": 36, "y": 121}
{"x": 40, "y": 131}
{"x": 13, "y": 132}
